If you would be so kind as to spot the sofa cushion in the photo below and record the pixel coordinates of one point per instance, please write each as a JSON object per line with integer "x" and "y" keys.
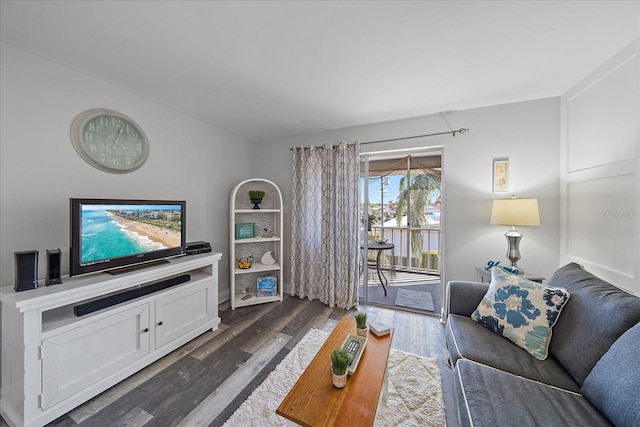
{"x": 467, "y": 339}
{"x": 612, "y": 386}
{"x": 463, "y": 297}
{"x": 521, "y": 310}
{"x": 490, "y": 397}
{"x": 595, "y": 317}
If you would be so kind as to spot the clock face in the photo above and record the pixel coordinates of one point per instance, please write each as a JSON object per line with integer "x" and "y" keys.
{"x": 109, "y": 141}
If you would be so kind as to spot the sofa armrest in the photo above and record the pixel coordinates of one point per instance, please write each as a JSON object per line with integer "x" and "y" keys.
{"x": 463, "y": 297}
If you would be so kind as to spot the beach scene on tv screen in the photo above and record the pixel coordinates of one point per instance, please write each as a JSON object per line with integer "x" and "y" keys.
{"x": 113, "y": 231}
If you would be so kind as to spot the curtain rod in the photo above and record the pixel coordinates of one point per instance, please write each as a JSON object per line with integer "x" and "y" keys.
{"x": 452, "y": 132}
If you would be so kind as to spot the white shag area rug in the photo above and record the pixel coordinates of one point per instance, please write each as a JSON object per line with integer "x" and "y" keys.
{"x": 414, "y": 396}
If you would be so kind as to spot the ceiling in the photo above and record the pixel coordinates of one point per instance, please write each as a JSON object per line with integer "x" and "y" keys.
{"x": 269, "y": 69}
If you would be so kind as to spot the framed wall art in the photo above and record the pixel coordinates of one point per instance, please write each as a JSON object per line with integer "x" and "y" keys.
{"x": 501, "y": 175}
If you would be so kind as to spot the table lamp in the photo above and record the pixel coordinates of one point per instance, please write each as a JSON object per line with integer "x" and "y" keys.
{"x": 515, "y": 212}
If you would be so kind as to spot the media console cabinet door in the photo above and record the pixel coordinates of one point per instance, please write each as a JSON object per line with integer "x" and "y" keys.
{"x": 74, "y": 360}
{"x": 181, "y": 312}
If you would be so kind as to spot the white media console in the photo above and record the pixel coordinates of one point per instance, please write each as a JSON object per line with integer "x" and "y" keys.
{"x": 53, "y": 360}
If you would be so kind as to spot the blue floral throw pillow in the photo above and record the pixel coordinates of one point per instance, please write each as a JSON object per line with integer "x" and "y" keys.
{"x": 521, "y": 310}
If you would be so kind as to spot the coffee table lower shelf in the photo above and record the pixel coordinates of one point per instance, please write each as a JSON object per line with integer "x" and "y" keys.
{"x": 314, "y": 401}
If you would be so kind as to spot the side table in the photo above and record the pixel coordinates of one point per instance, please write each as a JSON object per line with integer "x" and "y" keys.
{"x": 484, "y": 276}
{"x": 379, "y": 247}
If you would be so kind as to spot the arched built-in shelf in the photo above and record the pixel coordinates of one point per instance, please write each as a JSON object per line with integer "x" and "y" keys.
{"x": 267, "y": 223}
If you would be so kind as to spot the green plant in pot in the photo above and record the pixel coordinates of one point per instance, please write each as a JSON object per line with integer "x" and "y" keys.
{"x": 256, "y": 197}
{"x": 361, "y": 323}
{"x": 340, "y": 359}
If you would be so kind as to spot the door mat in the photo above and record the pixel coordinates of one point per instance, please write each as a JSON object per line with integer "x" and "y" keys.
{"x": 418, "y": 300}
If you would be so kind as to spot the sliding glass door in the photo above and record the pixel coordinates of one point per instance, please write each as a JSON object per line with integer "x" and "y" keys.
{"x": 422, "y": 189}
{"x": 401, "y": 206}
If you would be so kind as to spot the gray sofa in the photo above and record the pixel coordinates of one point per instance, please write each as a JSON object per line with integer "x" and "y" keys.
{"x": 590, "y": 378}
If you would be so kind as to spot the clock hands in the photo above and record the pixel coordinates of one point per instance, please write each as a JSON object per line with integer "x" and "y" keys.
{"x": 119, "y": 133}
{"x": 115, "y": 141}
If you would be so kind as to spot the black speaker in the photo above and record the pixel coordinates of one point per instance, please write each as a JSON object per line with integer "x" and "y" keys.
{"x": 54, "y": 262}
{"x": 26, "y": 270}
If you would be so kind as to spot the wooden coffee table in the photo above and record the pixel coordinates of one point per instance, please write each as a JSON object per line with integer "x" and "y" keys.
{"x": 314, "y": 401}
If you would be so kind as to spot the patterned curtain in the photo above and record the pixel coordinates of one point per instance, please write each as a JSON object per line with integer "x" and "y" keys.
{"x": 324, "y": 247}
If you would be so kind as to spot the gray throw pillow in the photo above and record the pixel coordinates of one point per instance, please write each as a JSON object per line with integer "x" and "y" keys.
{"x": 595, "y": 317}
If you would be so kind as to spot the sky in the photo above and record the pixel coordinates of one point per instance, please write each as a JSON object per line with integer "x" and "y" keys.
{"x": 390, "y": 191}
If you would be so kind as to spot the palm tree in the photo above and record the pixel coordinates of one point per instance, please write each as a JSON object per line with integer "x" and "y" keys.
{"x": 420, "y": 189}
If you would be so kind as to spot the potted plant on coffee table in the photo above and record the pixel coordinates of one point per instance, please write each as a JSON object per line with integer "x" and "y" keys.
{"x": 361, "y": 323}
{"x": 340, "y": 359}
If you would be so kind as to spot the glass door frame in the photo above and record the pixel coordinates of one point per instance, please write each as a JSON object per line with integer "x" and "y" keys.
{"x": 365, "y": 158}
{"x": 363, "y": 254}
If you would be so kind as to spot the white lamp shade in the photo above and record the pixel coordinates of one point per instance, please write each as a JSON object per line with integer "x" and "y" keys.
{"x": 515, "y": 212}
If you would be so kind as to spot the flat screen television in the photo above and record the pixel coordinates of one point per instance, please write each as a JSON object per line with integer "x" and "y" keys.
{"x": 108, "y": 234}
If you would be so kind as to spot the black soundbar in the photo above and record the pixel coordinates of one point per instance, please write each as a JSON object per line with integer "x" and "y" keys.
{"x": 108, "y": 301}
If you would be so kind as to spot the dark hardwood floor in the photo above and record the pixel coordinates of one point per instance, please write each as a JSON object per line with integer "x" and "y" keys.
{"x": 206, "y": 380}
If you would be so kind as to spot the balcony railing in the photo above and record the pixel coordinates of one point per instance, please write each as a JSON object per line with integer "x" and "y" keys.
{"x": 402, "y": 256}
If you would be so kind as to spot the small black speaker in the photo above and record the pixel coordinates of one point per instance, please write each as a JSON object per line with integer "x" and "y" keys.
{"x": 54, "y": 262}
{"x": 26, "y": 270}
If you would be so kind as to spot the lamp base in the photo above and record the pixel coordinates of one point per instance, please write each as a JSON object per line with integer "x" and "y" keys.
{"x": 513, "y": 252}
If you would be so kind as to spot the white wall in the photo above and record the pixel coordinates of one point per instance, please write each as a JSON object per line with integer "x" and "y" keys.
{"x": 189, "y": 160}
{"x": 40, "y": 170}
{"x": 526, "y": 132}
{"x": 600, "y": 213}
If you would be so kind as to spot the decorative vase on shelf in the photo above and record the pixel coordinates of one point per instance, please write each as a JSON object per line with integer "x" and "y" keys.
{"x": 256, "y": 197}
{"x": 244, "y": 259}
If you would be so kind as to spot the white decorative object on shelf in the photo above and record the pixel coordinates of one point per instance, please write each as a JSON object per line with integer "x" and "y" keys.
{"x": 266, "y": 240}
{"x": 268, "y": 259}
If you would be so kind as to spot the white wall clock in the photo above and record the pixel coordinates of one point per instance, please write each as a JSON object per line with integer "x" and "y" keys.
{"x": 109, "y": 141}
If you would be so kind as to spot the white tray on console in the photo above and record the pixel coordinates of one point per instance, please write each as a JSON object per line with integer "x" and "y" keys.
{"x": 362, "y": 341}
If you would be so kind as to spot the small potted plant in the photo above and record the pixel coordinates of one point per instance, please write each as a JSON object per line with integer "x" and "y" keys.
{"x": 361, "y": 323}
{"x": 256, "y": 197}
{"x": 340, "y": 359}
